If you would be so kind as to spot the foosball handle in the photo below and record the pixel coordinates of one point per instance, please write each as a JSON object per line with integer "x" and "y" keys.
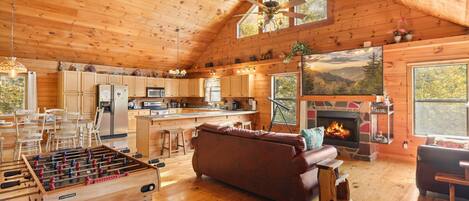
{"x": 160, "y": 165}
{"x": 153, "y": 161}
{"x": 9, "y": 184}
{"x": 125, "y": 150}
{"x": 12, "y": 173}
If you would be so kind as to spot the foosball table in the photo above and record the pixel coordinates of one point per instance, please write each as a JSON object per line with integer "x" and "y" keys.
{"x": 99, "y": 173}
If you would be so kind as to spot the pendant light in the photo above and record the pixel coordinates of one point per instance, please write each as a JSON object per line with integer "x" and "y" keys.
{"x": 9, "y": 64}
{"x": 177, "y": 72}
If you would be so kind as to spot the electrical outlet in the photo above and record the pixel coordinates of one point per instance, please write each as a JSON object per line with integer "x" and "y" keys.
{"x": 405, "y": 144}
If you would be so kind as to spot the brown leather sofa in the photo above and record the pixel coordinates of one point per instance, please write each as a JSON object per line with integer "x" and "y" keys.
{"x": 432, "y": 159}
{"x": 272, "y": 165}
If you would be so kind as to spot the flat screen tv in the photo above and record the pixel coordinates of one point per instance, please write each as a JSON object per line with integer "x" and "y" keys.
{"x": 349, "y": 72}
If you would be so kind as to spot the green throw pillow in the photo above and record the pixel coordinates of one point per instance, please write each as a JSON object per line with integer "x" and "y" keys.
{"x": 313, "y": 137}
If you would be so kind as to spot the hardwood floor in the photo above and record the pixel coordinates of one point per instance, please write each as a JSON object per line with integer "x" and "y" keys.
{"x": 386, "y": 179}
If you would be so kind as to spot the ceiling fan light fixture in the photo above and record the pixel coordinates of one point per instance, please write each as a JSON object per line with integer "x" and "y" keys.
{"x": 9, "y": 65}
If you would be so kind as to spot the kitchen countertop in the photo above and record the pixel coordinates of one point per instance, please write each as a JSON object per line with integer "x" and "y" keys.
{"x": 194, "y": 115}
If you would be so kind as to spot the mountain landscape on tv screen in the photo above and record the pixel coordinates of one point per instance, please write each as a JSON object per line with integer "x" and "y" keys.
{"x": 349, "y": 72}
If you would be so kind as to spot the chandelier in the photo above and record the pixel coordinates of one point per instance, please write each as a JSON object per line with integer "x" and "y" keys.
{"x": 177, "y": 72}
{"x": 9, "y": 64}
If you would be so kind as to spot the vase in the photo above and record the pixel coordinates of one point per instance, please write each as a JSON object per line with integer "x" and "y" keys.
{"x": 408, "y": 37}
{"x": 397, "y": 39}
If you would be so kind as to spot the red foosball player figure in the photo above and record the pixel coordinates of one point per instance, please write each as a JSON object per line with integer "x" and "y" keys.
{"x": 52, "y": 183}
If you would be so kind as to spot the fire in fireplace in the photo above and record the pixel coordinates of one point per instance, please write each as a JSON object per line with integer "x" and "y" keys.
{"x": 336, "y": 130}
{"x": 341, "y": 128}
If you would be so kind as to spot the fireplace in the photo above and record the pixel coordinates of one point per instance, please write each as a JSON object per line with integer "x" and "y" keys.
{"x": 340, "y": 128}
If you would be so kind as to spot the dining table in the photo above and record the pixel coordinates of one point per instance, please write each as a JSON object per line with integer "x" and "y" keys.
{"x": 8, "y": 130}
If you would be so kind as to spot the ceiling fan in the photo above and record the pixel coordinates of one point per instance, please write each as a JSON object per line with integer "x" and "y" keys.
{"x": 269, "y": 9}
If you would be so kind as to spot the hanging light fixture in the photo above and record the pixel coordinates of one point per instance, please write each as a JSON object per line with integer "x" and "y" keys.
{"x": 177, "y": 72}
{"x": 9, "y": 64}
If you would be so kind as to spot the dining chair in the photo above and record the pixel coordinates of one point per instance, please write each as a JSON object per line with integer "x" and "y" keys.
{"x": 66, "y": 136}
{"x": 30, "y": 127}
{"x": 55, "y": 116}
{"x": 94, "y": 130}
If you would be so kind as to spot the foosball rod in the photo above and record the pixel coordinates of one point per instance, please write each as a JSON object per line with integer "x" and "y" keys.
{"x": 9, "y": 163}
{"x": 84, "y": 176}
{"x": 60, "y": 156}
{"x": 82, "y": 168}
{"x": 13, "y": 169}
{"x": 17, "y": 189}
{"x": 96, "y": 156}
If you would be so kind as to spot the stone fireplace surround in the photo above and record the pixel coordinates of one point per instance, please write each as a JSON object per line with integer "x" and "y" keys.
{"x": 366, "y": 150}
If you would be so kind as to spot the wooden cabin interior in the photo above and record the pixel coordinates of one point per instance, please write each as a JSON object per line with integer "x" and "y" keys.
{"x": 288, "y": 100}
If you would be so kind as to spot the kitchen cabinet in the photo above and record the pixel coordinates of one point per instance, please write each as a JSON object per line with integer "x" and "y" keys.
{"x": 247, "y": 85}
{"x": 88, "y": 105}
{"x": 235, "y": 86}
{"x": 102, "y": 79}
{"x": 129, "y": 81}
{"x": 225, "y": 86}
{"x": 132, "y": 115}
{"x": 196, "y": 87}
{"x": 140, "y": 86}
{"x": 69, "y": 81}
{"x": 171, "y": 87}
{"x": 70, "y": 102}
{"x": 183, "y": 88}
{"x": 88, "y": 82}
{"x": 115, "y": 79}
{"x": 155, "y": 82}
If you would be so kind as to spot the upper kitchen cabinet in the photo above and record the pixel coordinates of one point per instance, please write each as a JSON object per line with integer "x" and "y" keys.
{"x": 247, "y": 85}
{"x": 102, "y": 79}
{"x": 225, "y": 86}
{"x": 88, "y": 82}
{"x": 69, "y": 81}
{"x": 183, "y": 88}
{"x": 171, "y": 87}
{"x": 129, "y": 81}
{"x": 115, "y": 79}
{"x": 237, "y": 86}
{"x": 140, "y": 86}
{"x": 196, "y": 87}
{"x": 155, "y": 82}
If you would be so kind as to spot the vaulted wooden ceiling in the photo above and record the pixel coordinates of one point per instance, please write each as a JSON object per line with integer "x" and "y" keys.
{"x": 132, "y": 33}
{"x": 456, "y": 11}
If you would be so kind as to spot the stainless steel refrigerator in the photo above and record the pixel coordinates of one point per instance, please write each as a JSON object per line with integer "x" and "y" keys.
{"x": 114, "y": 100}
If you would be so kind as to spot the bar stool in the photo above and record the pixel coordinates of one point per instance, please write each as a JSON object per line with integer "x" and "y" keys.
{"x": 168, "y": 134}
{"x": 244, "y": 124}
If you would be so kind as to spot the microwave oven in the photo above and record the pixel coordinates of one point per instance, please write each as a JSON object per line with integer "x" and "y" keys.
{"x": 155, "y": 92}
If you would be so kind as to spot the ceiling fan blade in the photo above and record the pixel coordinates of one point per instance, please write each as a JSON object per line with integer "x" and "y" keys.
{"x": 242, "y": 15}
{"x": 292, "y": 14}
{"x": 255, "y": 2}
{"x": 292, "y": 3}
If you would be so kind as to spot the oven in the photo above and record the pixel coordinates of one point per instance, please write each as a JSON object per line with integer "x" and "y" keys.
{"x": 155, "y": 92}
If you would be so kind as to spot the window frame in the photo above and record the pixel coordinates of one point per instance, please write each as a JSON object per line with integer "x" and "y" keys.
{"x": 291, "y": 23}
{"x": 210, "y": 91}
{"x": 251, "y": 9}
{"x": 295, "y": 99}
{"x": 25, "y": 91}
{"x": 413, "y": 100}
{"x": 328, "y": 15}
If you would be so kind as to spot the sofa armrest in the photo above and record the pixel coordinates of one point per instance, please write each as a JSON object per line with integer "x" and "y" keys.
{"x": 308, "y": 159}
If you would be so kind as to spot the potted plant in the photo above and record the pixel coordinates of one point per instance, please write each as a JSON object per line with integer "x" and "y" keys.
{"x": 298, "y": 48}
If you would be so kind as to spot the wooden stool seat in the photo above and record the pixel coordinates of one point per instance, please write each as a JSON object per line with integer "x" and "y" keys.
{"x": 244, "y": 124}
{"x": 168, "y": 134}
{"x": 454, "y": 180}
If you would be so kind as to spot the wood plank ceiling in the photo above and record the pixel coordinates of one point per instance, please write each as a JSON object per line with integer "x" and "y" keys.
{"x": 456, "y": 11}
{"x": 131, "y": 33}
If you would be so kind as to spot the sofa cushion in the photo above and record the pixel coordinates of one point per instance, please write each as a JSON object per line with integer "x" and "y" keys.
{"x": 451, "y": 143}
{"x": 313, "y": 137}
{"x": 214, "y": 128}
{"x": 295, "y": 140}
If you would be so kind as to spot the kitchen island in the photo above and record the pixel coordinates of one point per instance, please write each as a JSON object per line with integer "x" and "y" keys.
{"x": 149, "y": 128}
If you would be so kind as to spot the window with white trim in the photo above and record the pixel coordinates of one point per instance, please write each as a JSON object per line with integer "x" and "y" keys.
{"x": 248, "y": 25}
{"x": 12, "y": 93}
{"x": 212, "y": 90}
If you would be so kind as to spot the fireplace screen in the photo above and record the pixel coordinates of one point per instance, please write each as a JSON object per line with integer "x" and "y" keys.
{"x": 340, "y": 128}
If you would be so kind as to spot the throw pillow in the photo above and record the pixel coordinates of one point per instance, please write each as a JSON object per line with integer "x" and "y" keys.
{"x": 313, "y": 137}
